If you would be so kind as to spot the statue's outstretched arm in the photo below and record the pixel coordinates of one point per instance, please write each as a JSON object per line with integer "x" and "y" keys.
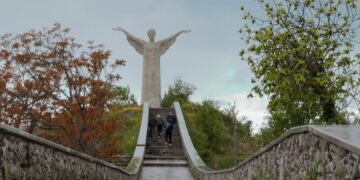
{"x": 167, "y": 42}
{"x": 134, "y": 41}
{"x": 175, "y": 35}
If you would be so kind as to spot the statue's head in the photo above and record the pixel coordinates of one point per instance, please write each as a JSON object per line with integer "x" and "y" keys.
{"x": 151, "y": 34}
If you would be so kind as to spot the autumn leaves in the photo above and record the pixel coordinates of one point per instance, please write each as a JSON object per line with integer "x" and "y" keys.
{"x": 52, "y": 86}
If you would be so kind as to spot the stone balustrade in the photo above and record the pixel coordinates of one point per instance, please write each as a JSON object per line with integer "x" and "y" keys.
{"x": 306, "y": 152}
{"x": 25, "y": 156}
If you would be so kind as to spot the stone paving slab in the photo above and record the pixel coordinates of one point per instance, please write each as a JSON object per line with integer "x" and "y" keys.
{"x": 166, "y": 173}
{"x": 166, "y": 162}
{"x": 165, "y": 158}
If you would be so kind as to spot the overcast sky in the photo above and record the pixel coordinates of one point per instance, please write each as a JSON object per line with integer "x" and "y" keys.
{"x": 207, "y": 57}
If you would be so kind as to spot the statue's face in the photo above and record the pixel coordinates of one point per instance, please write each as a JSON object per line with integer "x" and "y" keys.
{"x": 151, "y": 35}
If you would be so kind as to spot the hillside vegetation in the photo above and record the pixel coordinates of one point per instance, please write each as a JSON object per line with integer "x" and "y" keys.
{"x": 212, "y": 129}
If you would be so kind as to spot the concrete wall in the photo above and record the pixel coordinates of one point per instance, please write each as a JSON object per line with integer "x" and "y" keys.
{"x": 307, "y": 152}
{"x": 25, "y": 156}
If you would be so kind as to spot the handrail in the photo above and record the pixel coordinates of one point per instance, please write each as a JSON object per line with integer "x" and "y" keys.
{"x": 134, "y": 166}
{"x": 38, "y": 140}
{"x": 190, "y": 150}
{"x": 133, "y": 169}
{"x": 337, "y": 135}
{"x": 197, "y": 165}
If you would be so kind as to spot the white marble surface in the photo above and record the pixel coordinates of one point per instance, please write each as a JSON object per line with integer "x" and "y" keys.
{"x": 151, "y": 51}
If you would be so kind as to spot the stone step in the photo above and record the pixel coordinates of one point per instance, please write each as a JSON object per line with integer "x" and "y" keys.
{"x": 162, "y": 111}
{"x": 164, "y": 154}
{"x": 164, "y": 158}
{"x": 163, "y": 145}
{"x": 178, "y": 140}
{"x": 165, "y": 149}
{"x": 149, "y": 139}
{"x": 154, "y": 136}
{"x": 157, "y": 154}
{"x": 162, "y": 142}
{"x": 165, "y": 163}
{"x": 157, "y": 150}
{"x": 162, "y": 137}
{"x": 158, "y": 146}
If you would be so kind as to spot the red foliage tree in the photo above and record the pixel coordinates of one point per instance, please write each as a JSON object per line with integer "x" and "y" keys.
{"x": 50, "y": 88}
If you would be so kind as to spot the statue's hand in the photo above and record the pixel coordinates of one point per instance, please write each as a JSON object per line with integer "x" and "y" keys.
{"x": 118, "y": 29}
{"x": 186, "y": 31}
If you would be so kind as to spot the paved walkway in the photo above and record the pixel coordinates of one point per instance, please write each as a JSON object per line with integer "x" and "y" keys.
{"x": 166, "y": 173}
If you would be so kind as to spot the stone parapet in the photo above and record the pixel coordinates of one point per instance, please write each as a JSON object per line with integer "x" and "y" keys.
{"x": 25, "y": 156}
{"x": 306, "y": 152}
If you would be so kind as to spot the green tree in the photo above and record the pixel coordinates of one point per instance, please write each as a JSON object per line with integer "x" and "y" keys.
{"x": 180, "y": 91}
{"x": 206, "y": 124}
{"x": 211, "y": 128}
{"x": 123, "y": 96}
{"x": 300, "y": 54}
{"x": 211, "y": 122}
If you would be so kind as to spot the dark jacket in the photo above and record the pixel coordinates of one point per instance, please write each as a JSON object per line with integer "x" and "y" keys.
{"x": 159, "y": 121}
{"x": 171, "y": 119}
{"x": 152, "y": 121}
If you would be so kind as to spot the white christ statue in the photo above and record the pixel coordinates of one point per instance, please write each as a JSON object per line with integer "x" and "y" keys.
{"x": 151, "y": 52}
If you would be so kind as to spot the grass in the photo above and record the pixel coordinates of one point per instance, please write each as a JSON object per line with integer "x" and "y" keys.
{"x": 203, "y": 134}
{"x": 224, "y": 161}
{"x": 130, "y": 121}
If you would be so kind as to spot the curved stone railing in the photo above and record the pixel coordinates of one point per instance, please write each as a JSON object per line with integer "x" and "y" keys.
{"x": 25, "y": 156}
{"x": 197, "y": 166}
{"x": 330, "y": 152}
{"x": 134, "y": 166}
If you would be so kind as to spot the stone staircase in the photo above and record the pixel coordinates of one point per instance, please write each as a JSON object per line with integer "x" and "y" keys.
{"x": 159, "y": 154}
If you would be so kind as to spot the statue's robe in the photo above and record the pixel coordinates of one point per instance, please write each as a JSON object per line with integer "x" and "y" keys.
{"x": 151, "y": 80}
